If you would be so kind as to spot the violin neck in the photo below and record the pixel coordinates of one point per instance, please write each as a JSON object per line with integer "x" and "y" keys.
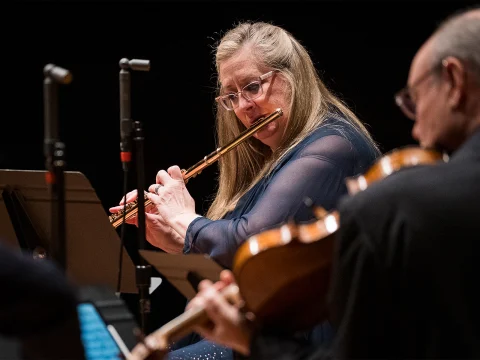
{"x": 183, "y": 324}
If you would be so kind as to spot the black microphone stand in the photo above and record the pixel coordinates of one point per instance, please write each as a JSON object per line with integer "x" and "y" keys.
{"x": 54, "y": 152}
{"x": 143, "y": 269}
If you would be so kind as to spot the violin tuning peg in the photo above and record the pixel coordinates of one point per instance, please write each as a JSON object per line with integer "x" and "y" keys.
{"x": 319, "y": 212}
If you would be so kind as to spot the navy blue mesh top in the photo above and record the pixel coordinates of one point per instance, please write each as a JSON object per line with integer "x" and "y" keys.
{"x": 315, "y": 168}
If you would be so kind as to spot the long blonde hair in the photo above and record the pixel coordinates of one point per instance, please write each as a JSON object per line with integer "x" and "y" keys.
{"x": 310, "y": 102}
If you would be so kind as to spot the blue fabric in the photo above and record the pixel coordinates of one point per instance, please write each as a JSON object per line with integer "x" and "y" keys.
{"x": 194, "y": 347}
{"x": 315, "y": 168}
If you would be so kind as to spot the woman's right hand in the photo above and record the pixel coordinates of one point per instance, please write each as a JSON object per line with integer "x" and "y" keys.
{"x": 157, "y": 231}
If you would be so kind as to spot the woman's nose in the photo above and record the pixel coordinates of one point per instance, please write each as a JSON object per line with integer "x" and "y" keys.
{"x": 244, "y": 103}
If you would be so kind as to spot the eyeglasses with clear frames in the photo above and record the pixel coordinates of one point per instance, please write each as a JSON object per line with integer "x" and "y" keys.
{"x": 250, "y": 92}
{"x": 404, "y": 98}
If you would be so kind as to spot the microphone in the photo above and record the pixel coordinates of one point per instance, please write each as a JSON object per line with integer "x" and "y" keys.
{"x": 126, "y": 124}
{"x": 60, "y": 75}
{"x": 54, "y": 151}
{"x": 143, "y": 270}
{"x": 125, "y": 119}
{"x": 135, "y": 64}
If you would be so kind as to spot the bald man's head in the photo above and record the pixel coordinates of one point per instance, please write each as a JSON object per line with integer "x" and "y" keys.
{"x": 444, "y": 83}
{"x": 458, "y": 36}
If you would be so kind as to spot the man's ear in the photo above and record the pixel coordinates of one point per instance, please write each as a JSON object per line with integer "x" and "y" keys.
{"x": 455, "y": 74}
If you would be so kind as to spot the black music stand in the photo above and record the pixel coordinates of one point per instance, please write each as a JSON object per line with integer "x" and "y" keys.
{"x": 92, "y": 244}
{"x": 184, "y": 271}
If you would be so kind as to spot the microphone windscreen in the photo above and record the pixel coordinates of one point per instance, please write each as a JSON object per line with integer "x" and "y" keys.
{"x": 60, "y": 75}
{"x": 140, "y": 65}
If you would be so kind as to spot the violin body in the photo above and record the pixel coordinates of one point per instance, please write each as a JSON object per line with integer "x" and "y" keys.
{"x": 284, "y": 273}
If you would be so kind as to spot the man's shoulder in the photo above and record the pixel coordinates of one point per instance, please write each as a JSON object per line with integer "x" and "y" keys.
{"x": 393, "y": 206}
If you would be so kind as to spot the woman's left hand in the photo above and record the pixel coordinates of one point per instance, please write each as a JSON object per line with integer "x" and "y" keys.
{"x": 173, "y": 201}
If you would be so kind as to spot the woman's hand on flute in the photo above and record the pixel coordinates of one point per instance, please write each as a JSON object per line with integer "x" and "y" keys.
{"x": 173, "y": 204}
{"x": 168, "y": 199}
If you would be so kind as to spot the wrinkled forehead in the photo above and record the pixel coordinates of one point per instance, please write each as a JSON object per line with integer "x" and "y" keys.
{"x": 241, "y": 66}
{"x": 234, "y": 69}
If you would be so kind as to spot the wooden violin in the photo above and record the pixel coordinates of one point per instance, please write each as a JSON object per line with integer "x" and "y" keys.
{"x": 283, "y": 274}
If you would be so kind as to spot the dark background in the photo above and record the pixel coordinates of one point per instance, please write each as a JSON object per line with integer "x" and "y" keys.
{"x": 361, "y": 49}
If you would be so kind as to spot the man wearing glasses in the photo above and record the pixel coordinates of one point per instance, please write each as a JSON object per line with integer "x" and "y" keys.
{"x": 405, "y": 281}
{"x": 408, "y": 286}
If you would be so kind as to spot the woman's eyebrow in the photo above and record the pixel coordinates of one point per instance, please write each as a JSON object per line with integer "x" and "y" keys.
{"x": 243, "y": 81}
